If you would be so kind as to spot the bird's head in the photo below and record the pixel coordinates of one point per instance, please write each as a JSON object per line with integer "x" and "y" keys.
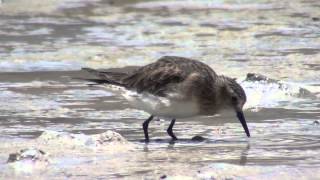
{"x": 234, "y": 98}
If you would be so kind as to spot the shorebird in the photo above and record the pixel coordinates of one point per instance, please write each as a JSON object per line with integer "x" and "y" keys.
{"x": 176, "y": 87}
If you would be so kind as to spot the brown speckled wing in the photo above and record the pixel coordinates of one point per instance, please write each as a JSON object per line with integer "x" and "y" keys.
{"x": 156, "y": 77}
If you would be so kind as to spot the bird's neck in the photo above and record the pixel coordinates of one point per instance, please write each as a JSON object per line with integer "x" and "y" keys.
{"x": 221, "y": 94}
{"x": 214, "y": 98}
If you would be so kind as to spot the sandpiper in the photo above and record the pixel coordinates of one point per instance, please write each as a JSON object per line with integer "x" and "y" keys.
{"x": 177, "y": 87}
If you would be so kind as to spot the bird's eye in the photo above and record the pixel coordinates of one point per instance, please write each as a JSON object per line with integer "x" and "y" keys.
{"x": 234, "y": 99}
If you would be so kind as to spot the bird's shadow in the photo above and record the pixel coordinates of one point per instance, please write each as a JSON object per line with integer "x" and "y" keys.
{"x": 195, "y": 139}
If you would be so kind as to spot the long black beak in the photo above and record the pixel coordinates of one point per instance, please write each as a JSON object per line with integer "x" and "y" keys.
{"x": 243, "y": 122}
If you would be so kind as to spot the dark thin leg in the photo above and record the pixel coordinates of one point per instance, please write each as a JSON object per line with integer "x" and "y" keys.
{"x": 169, "y": 130}
{"x": 145, "y": 126}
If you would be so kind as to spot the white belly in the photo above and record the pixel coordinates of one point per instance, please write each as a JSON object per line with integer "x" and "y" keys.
{"x": 162, "y": 107}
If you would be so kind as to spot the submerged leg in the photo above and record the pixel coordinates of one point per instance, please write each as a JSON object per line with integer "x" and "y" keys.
{"x": 169, "y": 130}
{"x": 145, "y": 126}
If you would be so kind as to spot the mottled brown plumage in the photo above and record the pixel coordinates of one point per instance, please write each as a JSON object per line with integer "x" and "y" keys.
{"x": 192, "y": 80}
{"x": 156, "y": 77}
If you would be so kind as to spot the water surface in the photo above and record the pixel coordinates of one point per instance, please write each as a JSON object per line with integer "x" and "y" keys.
{"x": 45, "y": 43}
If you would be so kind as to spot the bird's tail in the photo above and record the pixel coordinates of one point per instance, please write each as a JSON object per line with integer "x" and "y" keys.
{"x": 106, "y": 77}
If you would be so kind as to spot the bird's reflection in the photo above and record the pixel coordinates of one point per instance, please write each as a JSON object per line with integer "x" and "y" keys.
{"x": 244, "y": 155}
{"x": 243, "y": 158}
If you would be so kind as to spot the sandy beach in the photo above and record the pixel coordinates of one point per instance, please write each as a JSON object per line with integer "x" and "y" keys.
{"x": 56, "y": 126}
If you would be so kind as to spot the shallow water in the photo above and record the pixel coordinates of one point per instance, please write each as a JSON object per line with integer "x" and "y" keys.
{"x": 279, "y": 39}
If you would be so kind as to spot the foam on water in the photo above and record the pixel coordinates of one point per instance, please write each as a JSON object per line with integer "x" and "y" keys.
{"x": 262, "y": 94}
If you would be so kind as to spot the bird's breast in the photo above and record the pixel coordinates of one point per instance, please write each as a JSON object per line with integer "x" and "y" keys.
{"x": 170, "y": 107}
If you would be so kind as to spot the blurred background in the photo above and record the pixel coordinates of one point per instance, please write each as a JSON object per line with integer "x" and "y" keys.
{"x": 44, "y": 43}
{"x": 278, "y": 38}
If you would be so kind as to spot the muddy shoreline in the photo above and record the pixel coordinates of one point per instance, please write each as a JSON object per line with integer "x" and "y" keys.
{"x": 44, "y": 44}
{"x": 40, "y": 101}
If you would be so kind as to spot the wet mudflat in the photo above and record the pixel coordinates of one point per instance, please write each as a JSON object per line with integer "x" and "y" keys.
{"x": 45, "y": 45}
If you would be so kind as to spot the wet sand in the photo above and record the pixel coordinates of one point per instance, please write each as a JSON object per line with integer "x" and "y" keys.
{"x": 40, "y": 101}
{"x": 45, "y": 43}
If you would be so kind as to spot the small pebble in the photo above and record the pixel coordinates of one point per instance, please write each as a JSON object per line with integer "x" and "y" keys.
{"x": 198, "y": 138}
{"x": 163, "y": 176}
{"x": 29, "y": 153}
{"x": 315, "y": 19}
{"x": 13, "y": 157}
